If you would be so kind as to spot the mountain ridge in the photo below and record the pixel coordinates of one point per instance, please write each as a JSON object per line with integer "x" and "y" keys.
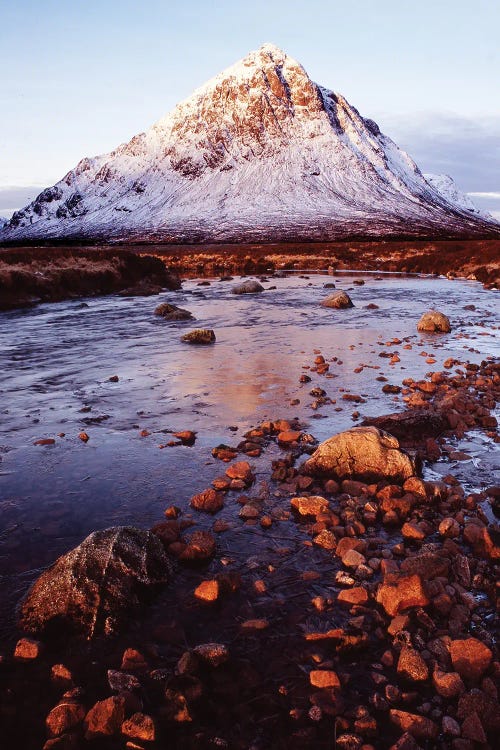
{"x": 258, "y": 153}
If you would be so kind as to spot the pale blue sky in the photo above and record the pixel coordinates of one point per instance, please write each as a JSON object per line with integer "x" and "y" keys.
{"x": 81, "y": 77}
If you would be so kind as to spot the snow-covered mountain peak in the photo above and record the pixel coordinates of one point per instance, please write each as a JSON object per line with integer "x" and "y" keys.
{"x": 259, "y": 151}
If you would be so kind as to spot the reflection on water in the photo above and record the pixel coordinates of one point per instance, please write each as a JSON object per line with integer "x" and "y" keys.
{"x": 56, "y": 361}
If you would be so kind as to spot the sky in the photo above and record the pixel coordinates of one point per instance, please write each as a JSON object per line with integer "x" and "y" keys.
{"x": 81, "y": 77}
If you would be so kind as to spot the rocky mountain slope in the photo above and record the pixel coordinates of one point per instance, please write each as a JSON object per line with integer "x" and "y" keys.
{"x": 259, "y": 153}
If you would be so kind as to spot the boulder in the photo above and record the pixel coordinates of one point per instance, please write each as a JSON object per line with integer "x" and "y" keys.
{"x": 418, "y": 726}
{"x": 411, "y": 665}
{"x": 248, "y": 287}
{"x": 363, "y": 453}
{"x": 105, "y": 718}
{"x": 399, "y": 592}
{"x": 471, "y": 658}
{"x": 92, "y": 588}
{"x": 172, "y": 312}
{"x": 337, "y": 300}
{"x": 434, "y": 322}
{"x": 199, "y": 336}
{"x": 410, "y": 427}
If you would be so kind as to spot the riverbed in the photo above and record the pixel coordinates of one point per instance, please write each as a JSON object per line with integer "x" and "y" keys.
{"x": 57, "y": 359}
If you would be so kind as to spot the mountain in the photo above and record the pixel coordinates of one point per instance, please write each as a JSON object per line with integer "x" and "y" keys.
{"x": 259, "y": 153}
{"x": 446, "y": 186}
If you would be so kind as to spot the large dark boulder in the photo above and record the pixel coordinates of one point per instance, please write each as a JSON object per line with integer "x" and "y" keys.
{"x": 92, "y": 588}
{"x": 410, "y": 427}
{"x": 363, "y": 453}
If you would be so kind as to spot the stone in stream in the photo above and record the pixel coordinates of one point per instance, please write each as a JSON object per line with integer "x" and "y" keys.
{"x": 248, "y": 287}
{"x": 200, "y": 336}
{"x": 139, "y": 727}
{"x": 172, "y": 312}
{"x": 470, "y": 658}
{"x": 363, "y": 453}
{"x": 92, "y": 588}
{"x": 105, "y": 718}
{"x": 337, "y": 300}
{"x": 434, "y": 322}
{"x": 410, "y": 427}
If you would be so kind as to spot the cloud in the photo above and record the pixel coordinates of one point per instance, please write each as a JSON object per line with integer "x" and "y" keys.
{"x": 467, "y": 149}
{"x": 491, "y": 196}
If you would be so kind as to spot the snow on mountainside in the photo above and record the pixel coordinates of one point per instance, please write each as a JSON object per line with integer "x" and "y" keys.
{"x": 446, "y": 186}
{"x": 260, "y": 152}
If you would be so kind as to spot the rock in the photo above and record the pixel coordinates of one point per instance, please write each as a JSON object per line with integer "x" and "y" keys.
{"x": 61, "y": 676}
{"x": 337, "y": 300}
{"x": 412, "y": 531}
{"x": 470, "y": 658}
{"x": 410, "y": 427}
{"x": 200, "y": 547}
{"x": 363, "y": 453}
{"x": 405, "y": 742}
{"x": 254, "y": 625}
{"x": 486, "y": 707}
{"x": 187, "y": 437}
{"x": 449, "y": 528}
{"x": 213, "y": 654}
{"x": 240, "y": 470}
{"x": 199, "y": 336}
{"x": 288, "y": 436}
{"x": 172, "y": 312}
{"x": 418, "y": 726}
{"x": 326, "y": 539}
{"x": 411, "y": 666}
{"x": 479, "y": 537}
{"x": 324, "y": 678}
{"x": 448, "y": 684}
{"x": 207, "y": 591}
{"x": 248, "y": 287}
{"x": 427, "y": 565}
{"x": 84, "y": 437}
{"x": 348, "y": 741}
{"x": 352, "y": 558}
{"x": 133, "y": 660}
{"x": 139, "y": 727}
{"x": 309, "y": 506}
{"x": 450, "y": 726}
{"x": 167, "y": 531}
{"x": 400, "y": 592}
{"x": 105, "y": 718}
{"x": 209, "y": 501}
{"x": 27, "y": 649}
{"x": 92, "y": 588}
{"x": 64, "y": 717}
{"x": 472, "y": 729}
{"x": 434, "y": 322}
{"x": 120, "y": 682}
{"x": 356, "y": 595}
{"x": 45, "y": 441}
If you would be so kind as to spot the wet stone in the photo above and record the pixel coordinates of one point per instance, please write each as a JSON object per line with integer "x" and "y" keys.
{"x": 27, "y": 649}
{"x": 139, "y": 727}
{"x": 411, "y": 666}
{"x": 209, "y": 501}
{"x": 309, "y": 506}
{"x": 213, "y": 654}
{"x": 471, "y": 658}
{"x": 64, "y": 717}
{"x": 324, "y": 678}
